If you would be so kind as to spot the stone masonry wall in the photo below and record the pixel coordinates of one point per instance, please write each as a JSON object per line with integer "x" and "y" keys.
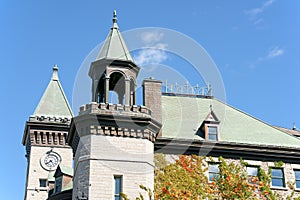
{"x": 36, "y": 172}
{"x": 81, "y": 168}
{"x": 106, "y": 156}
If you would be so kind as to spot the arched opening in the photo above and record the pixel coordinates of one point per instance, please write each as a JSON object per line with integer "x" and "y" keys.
{"x": 117, "y": 84}
{"x": 100, "y": 94}
{"x": 113, "y": 97}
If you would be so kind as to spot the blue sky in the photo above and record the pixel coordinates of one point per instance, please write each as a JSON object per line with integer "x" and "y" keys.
{"x": 255, "y": 45}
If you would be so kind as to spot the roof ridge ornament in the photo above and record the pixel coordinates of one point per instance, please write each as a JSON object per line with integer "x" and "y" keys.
{"x": 115, "y": 19}
{"x": 294, "y": 127}
{"x": 55, "y": 73}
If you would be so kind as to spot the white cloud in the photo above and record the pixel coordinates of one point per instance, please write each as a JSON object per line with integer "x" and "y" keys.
{"x": 253, "y": 13}
{"x": 275, "y": 52}
{"x": 272, "y": 53}
{"x": 151, "y": 55}
{"x": 151, "y": 37}
{"x": 154, "y": 51}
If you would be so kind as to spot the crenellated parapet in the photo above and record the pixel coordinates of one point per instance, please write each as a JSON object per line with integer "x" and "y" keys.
{"x": 115, "y": 109}
{"x": 46, "y": 131}
{"x": 113, "y": 120}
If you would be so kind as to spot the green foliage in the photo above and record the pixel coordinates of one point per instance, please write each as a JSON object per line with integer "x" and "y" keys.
{"x": 187, "y": 179}
{"x": 232, "y": 182}
{"x": 278, "y": 164}
{"x": 184, "y": 178}
{"x": 160, "y": 161}
{"x": 265, "y": 182}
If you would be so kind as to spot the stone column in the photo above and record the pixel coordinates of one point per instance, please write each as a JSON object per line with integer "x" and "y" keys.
{"x": 127, "y": 91}
{"x": 95, "y": 91}
{"x": 106, "y": 88}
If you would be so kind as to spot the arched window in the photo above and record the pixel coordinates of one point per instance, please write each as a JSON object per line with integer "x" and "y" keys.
{"x": 117, "y": 84}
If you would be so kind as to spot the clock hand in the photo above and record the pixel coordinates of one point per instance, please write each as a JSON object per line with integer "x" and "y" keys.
{"x": 48, "y": 162}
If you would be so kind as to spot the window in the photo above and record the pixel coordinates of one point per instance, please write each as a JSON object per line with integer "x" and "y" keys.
{"x": 118, "y": 187}
{"x": 297, "y": 178}
{"x": 252, "y": 172}
{"x": 212, "y": 132}
{"x": 43, "y": 182}
{"x": 58, "y": 184}
{"x": 213, "y": 171}
{"x": 277, "y": 177}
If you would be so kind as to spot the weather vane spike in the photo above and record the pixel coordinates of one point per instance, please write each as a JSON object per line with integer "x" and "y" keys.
{"x": 114, "y": 16}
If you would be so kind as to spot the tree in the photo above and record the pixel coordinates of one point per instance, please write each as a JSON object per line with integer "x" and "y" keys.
{"x": 187, "y": 178}
{"x": 184, "y": 179}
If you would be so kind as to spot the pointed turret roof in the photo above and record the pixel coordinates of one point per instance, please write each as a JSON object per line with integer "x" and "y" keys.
{"x": 114, "y": 46}
{"x": 54, "y": 102}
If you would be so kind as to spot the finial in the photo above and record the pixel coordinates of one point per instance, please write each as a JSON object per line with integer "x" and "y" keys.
{"x": 115, "y": 25}
{"x": 115, "y": 16}
{"x": 294, "y": 126}
{"x": 54, "y": 73}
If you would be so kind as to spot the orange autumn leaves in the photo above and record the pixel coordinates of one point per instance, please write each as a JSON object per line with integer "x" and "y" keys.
{"x": 187, "y": 178}
{"x": 184, "y": 179}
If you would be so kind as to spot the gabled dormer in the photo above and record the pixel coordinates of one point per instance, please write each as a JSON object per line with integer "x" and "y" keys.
{"x": 209, "y": 128}
{"x": 63, "y": 179}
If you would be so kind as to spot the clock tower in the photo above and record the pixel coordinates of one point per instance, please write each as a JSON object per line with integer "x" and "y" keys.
{"x": 45, "y": 140}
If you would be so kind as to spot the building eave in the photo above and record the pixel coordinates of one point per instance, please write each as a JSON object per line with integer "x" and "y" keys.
{"x": 227, "y": 150}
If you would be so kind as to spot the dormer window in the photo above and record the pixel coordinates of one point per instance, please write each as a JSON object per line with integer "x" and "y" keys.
{"x": 58, "y": 184}
{"x": 209, "y": 128}
{"x": 63, "y": 179}
{"x": 212, "y": 133}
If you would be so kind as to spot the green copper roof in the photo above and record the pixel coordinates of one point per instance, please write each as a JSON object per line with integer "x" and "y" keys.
{"x": 183, "y": 116}
{"x": 54, "y": 102}
{"x": 51, "y": 176}
{"x": 114, "y": 46}
{"x": 66, "y": 170}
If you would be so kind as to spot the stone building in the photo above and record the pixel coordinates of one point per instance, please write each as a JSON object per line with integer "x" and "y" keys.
{"x": 109, "y": 148}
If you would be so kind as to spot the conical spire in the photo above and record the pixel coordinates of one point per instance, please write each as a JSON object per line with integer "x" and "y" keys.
{"x": 54, "y": 102}
{"x": 114, "y": 46}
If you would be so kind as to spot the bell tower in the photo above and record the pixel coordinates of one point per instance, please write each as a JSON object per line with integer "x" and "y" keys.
{"x": 113, "y": 141}
{"x": 114, "y": 70}
{"x": 45, "y": 140}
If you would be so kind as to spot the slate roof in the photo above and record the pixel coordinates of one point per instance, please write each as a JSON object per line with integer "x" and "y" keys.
{"x": 114, "y": 46}
{"x": 182, "y": 117}
{"x": 54, "y": 102}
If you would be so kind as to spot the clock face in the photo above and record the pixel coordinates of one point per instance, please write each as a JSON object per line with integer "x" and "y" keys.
{"x": 50, "y": 160}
